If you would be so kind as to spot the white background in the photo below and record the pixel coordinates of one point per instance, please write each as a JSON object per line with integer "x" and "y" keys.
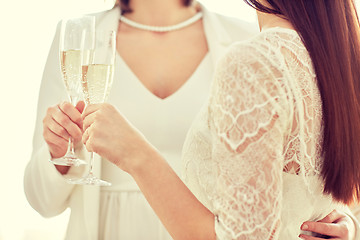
{"x": 26, "y": 32}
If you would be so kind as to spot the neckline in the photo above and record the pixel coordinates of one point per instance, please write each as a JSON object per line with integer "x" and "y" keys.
{"x": 137, "y": 81}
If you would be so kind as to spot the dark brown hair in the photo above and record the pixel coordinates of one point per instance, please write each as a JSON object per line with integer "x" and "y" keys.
{"x": 125, "y": 8}
{"x": 331, "y": 33}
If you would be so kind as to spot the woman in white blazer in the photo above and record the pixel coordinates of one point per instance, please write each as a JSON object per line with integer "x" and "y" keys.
{"x": 162, "y": 109}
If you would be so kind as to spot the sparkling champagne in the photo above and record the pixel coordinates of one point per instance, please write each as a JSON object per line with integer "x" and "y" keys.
{"x": 96, "y": 82}
{"x": 71, "y": 62}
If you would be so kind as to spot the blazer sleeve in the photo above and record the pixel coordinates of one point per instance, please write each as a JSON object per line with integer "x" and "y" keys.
{"x": 45, "y": 188}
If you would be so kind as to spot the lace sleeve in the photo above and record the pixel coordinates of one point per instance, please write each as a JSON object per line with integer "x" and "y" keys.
{"x": 249, "y": 115}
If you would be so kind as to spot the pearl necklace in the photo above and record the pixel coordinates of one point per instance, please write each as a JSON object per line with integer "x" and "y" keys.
{"x": 178, "y": 26}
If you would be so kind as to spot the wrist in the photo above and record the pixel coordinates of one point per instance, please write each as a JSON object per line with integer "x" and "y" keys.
{"x": 143, "y": 161}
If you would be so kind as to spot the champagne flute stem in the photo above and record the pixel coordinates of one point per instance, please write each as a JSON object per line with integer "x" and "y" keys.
{"x": 92, "y": 157}
{"x": 71, "y": 146}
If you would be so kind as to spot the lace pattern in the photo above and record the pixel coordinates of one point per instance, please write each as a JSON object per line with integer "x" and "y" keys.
{"x": 263, "y": 118}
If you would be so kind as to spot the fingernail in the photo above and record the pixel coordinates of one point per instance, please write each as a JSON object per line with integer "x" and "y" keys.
{"x": 304, "y": 227}
{"x": 300, "y": 236}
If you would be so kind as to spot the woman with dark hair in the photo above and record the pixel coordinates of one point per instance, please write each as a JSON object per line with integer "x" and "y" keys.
{"x": 162, "y": 77}
{"x": 277, "y": 141}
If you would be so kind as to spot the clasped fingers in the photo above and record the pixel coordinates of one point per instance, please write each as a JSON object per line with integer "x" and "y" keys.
{"x": 93, "y": 120}
{"x": 64, "y": 120}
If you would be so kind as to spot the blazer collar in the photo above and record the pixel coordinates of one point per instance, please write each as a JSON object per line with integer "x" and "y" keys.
{"x": 214, "y": 28}
{"x": 108, "y": 20}
{"x": 218, "y": 39}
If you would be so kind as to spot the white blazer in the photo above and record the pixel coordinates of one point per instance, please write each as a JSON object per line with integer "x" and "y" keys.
{"x": 46, "y": 189}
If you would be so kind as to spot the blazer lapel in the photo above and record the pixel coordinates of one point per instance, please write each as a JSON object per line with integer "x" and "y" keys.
{"x": 222, "y": 31}
{"x": 217, "y": 37}
{"x": 108, "y": 20}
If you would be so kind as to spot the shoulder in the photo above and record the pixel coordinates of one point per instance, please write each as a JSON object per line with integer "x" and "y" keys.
{"x": 249, "y": 54}
{"x": 253, "y": 71}
{"x": 258, "y": 59}
{"x": 112, "y": 14}
{"x": 107, "y": 16}
{"x": 99, "y": 16}
{"x": 264, "y": 49}
{"x": 256, "y": 64}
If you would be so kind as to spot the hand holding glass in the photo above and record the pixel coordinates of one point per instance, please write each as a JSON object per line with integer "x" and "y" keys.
{"x": 97, "y": 78}
{"x": 76, "y": 40}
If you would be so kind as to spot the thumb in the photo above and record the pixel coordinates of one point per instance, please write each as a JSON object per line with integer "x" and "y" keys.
{"x": 333, "y": 217}
{"x": 80, "y": 106}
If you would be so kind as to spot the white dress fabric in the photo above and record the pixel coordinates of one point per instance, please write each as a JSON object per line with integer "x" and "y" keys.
{"x": 164, "y": 122}
{"x": 253, "y": 153}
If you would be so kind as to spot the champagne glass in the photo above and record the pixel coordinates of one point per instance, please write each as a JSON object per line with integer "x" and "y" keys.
{"x": 76, "y": 41}
{"x": 96, "y": 84}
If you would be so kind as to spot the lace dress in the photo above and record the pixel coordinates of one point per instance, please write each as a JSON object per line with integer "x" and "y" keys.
{"x": 253, "y": 154}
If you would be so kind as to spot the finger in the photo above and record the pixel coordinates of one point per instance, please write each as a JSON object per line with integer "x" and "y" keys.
{"x": 53, "y": 139}
{"x": 72, "y": 112}
{"x": 307, "y": 237}
{"x": 63, "y": 120}
{"x": 80, "y": 106}
{"x": 85, "y": 137}
{"x": 88, "y": 144}
{"x": 332, "y": 217}
{"x": 56, "y": 129}
{"x": 88, "y": 120}
{"x": 329, "y": 229}
{"x": 91, "y": 108}
{"x": 49, "y": 124}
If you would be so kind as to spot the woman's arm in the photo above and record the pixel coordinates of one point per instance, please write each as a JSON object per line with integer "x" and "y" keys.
{"x": 180, "y": 211}
{"x": 247, "y": 198}
{"x": 110, "y": 135}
